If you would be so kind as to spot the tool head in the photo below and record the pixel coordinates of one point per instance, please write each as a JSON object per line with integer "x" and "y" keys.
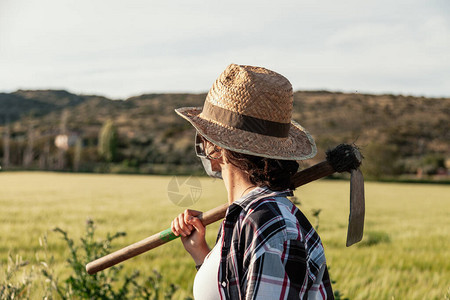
{"x": 348, "y": 158}
{"x": 357, "y": 208}
{"x": 344, "y": 158}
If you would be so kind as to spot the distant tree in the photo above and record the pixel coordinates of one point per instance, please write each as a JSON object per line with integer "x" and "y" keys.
{"x": 28, "y": 155}
{"x": 432, "y": 162}
{"x": 381, "y": 160}
{"x": 107, "y": 141}
{"x": 77, "y": 154}
{"x": 44, "y": 156}
{"x": 6, "y": 146}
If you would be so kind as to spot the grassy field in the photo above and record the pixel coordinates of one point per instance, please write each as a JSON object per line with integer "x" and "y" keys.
{"x": 404, "y": 255}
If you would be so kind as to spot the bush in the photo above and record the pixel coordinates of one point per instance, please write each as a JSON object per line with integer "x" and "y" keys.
{"x": 432, "y": 162}
{"x": 107, "y": 141}
{"x": 381, "y": 160}
{"x": 103, "y": 285}
{"x": 78, "y": 284}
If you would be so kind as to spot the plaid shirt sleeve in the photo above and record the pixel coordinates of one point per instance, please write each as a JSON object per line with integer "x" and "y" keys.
{"x": 268, "y": 253}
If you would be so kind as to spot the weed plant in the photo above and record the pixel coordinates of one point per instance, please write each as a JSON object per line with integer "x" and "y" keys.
{"x": 78, "y": 284}
{"x": 107, "y": 284}
{"x": 11, "y": 287}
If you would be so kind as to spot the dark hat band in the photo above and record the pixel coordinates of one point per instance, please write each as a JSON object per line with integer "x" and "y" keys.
{"x": 243, "y": 122}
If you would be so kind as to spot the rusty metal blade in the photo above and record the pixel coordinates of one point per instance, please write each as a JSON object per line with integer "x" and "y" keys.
{"x": 357, "y": 208}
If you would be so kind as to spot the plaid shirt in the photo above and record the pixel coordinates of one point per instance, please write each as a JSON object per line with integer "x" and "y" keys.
{"x": 270, "y": 251}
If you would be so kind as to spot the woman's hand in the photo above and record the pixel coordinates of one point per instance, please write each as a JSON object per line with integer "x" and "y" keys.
{"x": 192, "y": 234}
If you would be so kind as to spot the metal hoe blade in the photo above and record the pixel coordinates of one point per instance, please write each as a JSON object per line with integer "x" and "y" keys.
{"x": 357, "y": 208}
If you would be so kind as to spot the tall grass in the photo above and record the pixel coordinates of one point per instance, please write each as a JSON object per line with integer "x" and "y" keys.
{"x": 404, "y": 254}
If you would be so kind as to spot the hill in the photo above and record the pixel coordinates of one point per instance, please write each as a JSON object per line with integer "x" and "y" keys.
{"x": 398, "y": 134}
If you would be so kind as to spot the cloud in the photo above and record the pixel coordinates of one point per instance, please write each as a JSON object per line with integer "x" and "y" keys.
{"x": 119, "y": 50}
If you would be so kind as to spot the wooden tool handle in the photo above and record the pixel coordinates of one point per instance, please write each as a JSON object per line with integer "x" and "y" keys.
{"x": 312, "y": 173}
{"x": 149, "y": 243}
{"x": 305, "y": 176}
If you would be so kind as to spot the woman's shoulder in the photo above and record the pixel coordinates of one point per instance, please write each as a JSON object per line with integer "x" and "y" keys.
{"x": 271, "y": 216}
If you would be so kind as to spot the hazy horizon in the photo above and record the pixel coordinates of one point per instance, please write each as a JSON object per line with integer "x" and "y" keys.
{"x": 205, "y": 92}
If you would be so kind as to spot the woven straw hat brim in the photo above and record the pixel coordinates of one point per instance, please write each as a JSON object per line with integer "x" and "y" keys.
{"x": 299, "y": 145}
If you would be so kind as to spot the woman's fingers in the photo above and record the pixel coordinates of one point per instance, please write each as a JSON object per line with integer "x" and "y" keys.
{"x": 197, "y": 224}
{"x": 189, "y": 214}
{"x": 182, "y": 226}
{"x": 176, "y": 228}
{"x": 185, "y": 222}
{"x": 185, "y": 229}
{"x": 186, "y": 218}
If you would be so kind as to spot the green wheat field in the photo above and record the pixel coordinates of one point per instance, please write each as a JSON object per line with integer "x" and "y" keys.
{"x": 404, "y": 254}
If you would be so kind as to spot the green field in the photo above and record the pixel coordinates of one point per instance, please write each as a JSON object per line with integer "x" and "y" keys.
{"x": 405, "y": 254}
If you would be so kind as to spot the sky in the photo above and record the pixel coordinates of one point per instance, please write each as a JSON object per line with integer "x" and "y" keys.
{"x": 126, "y": 48}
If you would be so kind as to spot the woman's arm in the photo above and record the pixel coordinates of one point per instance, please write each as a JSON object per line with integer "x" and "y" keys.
{"x": 192, "y": 234}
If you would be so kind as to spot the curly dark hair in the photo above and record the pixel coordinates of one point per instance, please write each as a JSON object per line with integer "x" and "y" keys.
{"x": 274, "y": 173}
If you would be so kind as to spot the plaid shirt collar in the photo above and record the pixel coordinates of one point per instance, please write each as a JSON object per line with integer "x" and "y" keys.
{"x": 258, "y": 193}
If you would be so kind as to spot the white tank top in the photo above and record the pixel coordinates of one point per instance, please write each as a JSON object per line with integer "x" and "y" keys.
{"x": 206, "y": 285}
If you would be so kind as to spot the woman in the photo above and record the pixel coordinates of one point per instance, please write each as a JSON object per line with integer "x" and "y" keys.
{"x": 266, "y": 248}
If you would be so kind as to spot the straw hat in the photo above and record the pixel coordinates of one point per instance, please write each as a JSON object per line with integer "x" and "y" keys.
{"x": 248, "y": 110}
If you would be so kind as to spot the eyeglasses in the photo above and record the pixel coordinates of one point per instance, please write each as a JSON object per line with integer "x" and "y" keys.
{"x": 200, "y": 148}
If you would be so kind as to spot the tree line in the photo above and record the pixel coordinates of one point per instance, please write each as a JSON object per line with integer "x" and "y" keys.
{"x": 57, "y": 130}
